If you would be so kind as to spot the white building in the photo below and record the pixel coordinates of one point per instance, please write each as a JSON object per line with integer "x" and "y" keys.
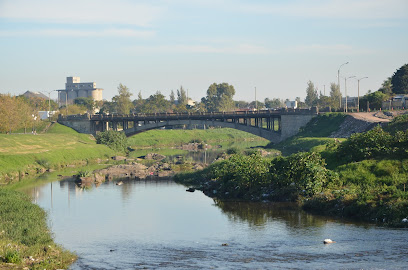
{"x": 291, "y": 104}
{"x": 74, "y": 89}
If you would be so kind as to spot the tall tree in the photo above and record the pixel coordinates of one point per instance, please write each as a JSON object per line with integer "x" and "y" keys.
{"x": 219, "y": 97}
{"x": 400, "y": 80}
{"x": 386, "y": 86}
{"x": 311, "y": 95}
{"x": 156, "y": 103}
{"x": 181, "y": 96}
{"x": 335, "y": 96}
{"x": 138, "y": 103}
{"x": 172, "y": 97}
{"x": 122, "y": 100}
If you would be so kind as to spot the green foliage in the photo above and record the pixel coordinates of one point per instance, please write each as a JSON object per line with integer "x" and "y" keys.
{"x": 335, "y": 96}
{"x": 400, "y": 80}
{"x": 219, "y": 97}
{"x": 122, "y": 100}
{"x": 114, "y": 139}
{"x": 312, "y": 96}
{"x": 322, "y": 125}
{"x": 12, "y": 256}
{"x": 375, "y": 100}
{"x": 375, "y": 143}
{"x": 399, "y": 123}
{"x": 24, "y": 232}
{"x": 87, "y": 102}
{"x": 302, "y": 173}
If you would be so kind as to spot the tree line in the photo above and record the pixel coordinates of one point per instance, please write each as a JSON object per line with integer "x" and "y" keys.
{"x": 20, "y": 112}
{"x": 397, "y": 84}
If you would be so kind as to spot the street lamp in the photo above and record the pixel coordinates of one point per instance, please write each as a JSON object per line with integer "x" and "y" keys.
{"x": 49, "y": 104}
{"x": 358, "y": 93}
{"x": 338, "y": 78}
{"x": 345, "y": 89}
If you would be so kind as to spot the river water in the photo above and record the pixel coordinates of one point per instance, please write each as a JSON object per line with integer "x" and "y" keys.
{"x": 156, "y": 224}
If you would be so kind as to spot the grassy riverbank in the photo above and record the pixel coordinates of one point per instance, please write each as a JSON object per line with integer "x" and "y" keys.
{"x": 22, "y": 154}
{"x": 367, "y": 179}
{"x": 25, "y": 239}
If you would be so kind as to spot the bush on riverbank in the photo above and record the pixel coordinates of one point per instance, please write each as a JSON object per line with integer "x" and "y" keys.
{"x": 368, "y": 177}
{"x": 24, "y": 236}
{"x": 113, "y": 139}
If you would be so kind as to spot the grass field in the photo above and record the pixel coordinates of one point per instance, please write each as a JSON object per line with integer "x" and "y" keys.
{"x": 176, "y": 137}
{"x": 21, "y": 153}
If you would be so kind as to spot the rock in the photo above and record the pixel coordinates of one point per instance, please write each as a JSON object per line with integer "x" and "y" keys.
{"x": 99, "y": 178}
{"x": 190, "y": 189}
{"x": 119, "y": 183}
{"x": 154, "y": 156}
{"x": 118, "y": 158}
{"x": 328, "y": 241}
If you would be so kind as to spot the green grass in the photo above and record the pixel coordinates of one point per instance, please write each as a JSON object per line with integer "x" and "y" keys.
{"x": 21, "y": 153}
{"x": 323, "y": 125}
{"x": 24, "y": 232}
{"x": 173, "y": 137}
{"x": 313, "y": 137}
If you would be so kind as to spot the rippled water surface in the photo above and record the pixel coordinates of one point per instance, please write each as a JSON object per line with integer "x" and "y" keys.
{"x": 158, "y": 225}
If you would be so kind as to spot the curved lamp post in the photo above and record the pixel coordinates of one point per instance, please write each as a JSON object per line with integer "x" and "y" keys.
{"x": 338, "y": 79}
{"x": 358, "y": 93}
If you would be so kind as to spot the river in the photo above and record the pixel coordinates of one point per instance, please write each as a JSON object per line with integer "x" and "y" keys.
{"x": 156, "y": 224}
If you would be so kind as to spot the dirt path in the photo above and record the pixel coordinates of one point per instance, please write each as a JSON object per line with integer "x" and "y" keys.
{"x": 370, "y": 117}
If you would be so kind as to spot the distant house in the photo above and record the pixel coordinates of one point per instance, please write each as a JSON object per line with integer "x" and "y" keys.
{"x": 46, "y": 114}
{"x": 396, "y": 102}
{"x": 29, "y": 94}
{"x": 291, "y": 104}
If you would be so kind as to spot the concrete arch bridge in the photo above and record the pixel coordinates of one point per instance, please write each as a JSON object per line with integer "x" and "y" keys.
{"x": 273, "y": 125}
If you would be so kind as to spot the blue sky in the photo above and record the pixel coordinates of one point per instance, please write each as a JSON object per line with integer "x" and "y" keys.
{"x": 149, "y": 46}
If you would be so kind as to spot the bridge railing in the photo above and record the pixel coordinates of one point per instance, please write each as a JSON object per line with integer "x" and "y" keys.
{"x": 211, "y": 114}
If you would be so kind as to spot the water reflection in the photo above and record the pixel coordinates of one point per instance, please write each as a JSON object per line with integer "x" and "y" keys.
{"x": 156, "y": 224}
{"x": 260, "y": 214}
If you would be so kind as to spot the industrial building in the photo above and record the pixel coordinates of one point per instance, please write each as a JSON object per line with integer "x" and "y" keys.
{"x": 74, "y": 88}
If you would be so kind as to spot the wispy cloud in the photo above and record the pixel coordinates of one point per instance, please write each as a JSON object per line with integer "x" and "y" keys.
{"x": 81, "y": 11}
{"x": 110, "y": 32}
{"x": 333, "y": 49}
{"x": 336, "y": 9}
{"x": 206, "y": 49}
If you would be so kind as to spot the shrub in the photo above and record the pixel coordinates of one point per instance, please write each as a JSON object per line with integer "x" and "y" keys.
{"x": 113, "y": 139}
{"x": 12, "y": 256}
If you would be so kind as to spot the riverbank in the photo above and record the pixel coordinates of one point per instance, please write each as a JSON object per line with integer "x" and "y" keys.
{"x": 25, "y": 239}
{"x": 365, "y": 176}
{"x": 27, "y": 155}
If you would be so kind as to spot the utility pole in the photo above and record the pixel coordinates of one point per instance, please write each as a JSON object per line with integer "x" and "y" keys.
{"x": 256, "y": 101}
{"x": 345, "y": 89}
{"x": 338, "y": 79}
{"x": 358, "y": 93}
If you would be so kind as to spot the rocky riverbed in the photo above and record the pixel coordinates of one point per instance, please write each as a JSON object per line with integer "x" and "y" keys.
{"x": 132, "y": 169}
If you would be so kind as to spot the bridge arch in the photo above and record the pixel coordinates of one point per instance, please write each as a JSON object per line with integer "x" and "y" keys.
{"x": 272, "y": 125}
{"x": 273, "y": 136}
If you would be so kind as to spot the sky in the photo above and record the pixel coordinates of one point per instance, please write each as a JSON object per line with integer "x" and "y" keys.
{"x": 275, "y": 47}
